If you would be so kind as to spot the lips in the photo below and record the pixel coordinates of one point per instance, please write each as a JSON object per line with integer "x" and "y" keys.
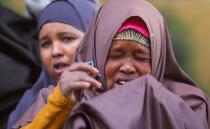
{"x": 120, "y": 83}
{"x": 59, "y": 67}
{"x": 123, "y": 80}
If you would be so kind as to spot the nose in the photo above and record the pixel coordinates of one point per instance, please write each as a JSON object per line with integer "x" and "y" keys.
{"x": 57, "y": 50}
{"x": 128, "y": 67}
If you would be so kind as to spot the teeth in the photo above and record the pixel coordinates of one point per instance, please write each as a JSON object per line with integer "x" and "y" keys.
{"x": 122, "y": 82}
{"x": 60, "y": 66}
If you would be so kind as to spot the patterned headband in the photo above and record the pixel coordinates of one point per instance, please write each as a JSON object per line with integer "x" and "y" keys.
{"x": 131, "y": 34}
{"x": 134, "y": 29}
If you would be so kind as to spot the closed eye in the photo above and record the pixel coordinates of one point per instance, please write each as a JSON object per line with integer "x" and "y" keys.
{"x": 142, "y": 57}
{"x": 115, "y": 53}
{"x": 114, "y": 56}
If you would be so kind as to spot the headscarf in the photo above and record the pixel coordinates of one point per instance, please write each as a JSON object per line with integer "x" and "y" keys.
{"x": 79, "y": 14}
{"x": 168, "y": 94}
{"x": 70, "y": 12}
{"x": 99, "y": 38}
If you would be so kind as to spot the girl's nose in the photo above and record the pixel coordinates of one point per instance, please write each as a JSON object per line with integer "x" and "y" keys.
{"x": 57, "y": 50}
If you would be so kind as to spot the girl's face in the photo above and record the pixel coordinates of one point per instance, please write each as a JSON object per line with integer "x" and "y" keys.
{"x": 126, "y": 61}
{"x": 58, "y": 43}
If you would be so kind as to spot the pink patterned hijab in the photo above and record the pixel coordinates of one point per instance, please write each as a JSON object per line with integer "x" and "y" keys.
{"x": 136, "y": 24}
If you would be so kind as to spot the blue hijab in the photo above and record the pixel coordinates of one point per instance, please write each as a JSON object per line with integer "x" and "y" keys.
{"x": 77, "y": 13}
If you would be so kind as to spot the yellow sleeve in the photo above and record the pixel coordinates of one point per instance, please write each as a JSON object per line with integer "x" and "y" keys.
{"x": 54, "y": 113}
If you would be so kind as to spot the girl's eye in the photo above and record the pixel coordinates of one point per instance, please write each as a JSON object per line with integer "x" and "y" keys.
{"x": 45, "y": 44}
{"x": 67, "y": 39}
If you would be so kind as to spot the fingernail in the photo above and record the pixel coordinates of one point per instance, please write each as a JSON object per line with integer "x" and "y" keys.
{"x": 96, "y": 70}
{"x": 99, "y": 85}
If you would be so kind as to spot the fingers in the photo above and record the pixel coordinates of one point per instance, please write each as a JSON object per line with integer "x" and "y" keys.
{"x": 74, "y": 86}
{"x": 68, "y": 88}
{"x": 78, "y": 85}
{"x": 93, "y": 82}
{"x": 70, "y": 77}
{"x": 77, "y": 80}
{"x": 92, "y": 71}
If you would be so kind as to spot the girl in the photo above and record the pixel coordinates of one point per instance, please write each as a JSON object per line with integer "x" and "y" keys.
{"x": 61, "y": 27}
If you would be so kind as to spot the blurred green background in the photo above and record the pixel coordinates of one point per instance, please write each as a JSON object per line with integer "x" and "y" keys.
{"x": 189, "y": 25}
{"x": 16, "y": 5}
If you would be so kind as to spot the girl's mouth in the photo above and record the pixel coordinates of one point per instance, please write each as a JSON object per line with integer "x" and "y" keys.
{"x": 60, "y": 67}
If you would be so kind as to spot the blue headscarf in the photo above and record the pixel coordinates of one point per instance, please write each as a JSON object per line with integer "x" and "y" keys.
{"x": 77, "y": 13}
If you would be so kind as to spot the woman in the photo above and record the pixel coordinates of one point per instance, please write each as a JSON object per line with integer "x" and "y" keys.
{"x": 144, "y": 86}
{"x": 61, "y": 30}
{"x": 167, "y": 98}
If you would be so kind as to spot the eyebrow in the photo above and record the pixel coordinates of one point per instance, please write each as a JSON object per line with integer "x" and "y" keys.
{"x": 140, "y": 50}
{"x": 43, "y": 38}
{"x": 118, "y": 49}
{"x": 64, "y": 33}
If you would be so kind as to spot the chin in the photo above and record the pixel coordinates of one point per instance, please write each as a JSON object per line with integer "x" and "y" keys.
{"x": 56, "y": 78}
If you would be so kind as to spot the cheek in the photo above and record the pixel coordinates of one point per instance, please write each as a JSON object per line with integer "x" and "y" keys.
{"x": 111, "y": 69}
{"x": 108, "y": 70}
{"x": 144, "y": 68}
{"x": 71, "y": 49}
{"x": 46, "y": 59}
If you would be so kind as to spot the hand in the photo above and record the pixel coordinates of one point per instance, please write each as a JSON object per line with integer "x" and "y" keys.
{"x": 78, "y": 76}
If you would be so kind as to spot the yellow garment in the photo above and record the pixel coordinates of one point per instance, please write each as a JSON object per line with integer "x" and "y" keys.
{"x": 54, "y": 113}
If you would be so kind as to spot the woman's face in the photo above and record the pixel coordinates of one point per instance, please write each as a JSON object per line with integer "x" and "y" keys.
{"x": 58, "y": 43}
{"x": 126, "y": 61}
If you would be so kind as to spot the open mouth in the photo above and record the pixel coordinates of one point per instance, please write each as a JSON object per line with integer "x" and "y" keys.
{"x": 60, "y": 67}
{"x": 121, "y": 82}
